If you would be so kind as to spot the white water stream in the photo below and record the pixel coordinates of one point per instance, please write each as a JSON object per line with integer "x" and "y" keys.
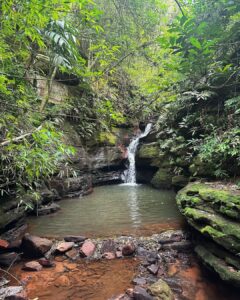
{"x": 130, "y": 176}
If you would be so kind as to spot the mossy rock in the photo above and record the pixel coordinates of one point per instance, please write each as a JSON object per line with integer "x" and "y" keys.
{"x": 160, "y": 290}
{"x": 107, "y": 138}
{"x": 201, "y": 168}
{"x": 162, "y": 179}
{"x": 213, "y": 212}
{"x": 227, "y": 272}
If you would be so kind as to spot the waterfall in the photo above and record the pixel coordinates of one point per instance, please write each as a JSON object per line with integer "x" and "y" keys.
{"x": 130, "y": 176}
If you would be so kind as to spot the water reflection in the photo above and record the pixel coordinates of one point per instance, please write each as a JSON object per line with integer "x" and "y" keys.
{"x": 134, "y": 206}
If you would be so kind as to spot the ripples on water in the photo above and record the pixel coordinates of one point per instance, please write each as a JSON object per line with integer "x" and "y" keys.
{"x": 112, "y": 209}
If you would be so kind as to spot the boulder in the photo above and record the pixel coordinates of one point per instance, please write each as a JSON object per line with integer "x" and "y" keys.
{"x": 34, "y": 246}
{"x": 48, "y": 209}
{"x": 162, "y": 179}
{"x": 213, "y": 210}
{"x": 32, "y": 266}
{"x": 108, "y": 246}
{"x": 160, "y": 290}
{"x": 87, "y": 248}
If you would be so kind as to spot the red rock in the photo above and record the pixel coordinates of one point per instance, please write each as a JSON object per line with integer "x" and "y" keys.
{"x": 72, "y": 254}
{"x": 34, "y": 246}
{"x": 32, "y": 266}
{"x": 64, "y": 247}
{"x": 3, "y": 244}
{"x": 153, "y": 269}
{"x": 128, "y": 249}
{"x": 46, "y": 262}
{"x": 109, "y": 255}
{"x": 87, "y": 248}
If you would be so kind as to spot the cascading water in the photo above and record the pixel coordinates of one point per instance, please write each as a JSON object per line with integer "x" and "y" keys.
{"x": 130, "y": 176}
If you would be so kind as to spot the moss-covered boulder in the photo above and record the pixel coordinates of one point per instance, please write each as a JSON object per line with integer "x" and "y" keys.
{"x": 162, "y": 179}
{"x": 213, "y": 209}
{"x": 160, "y": 290}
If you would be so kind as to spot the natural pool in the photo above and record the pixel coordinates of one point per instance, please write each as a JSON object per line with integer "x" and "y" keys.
{"x": 112, "y": 210}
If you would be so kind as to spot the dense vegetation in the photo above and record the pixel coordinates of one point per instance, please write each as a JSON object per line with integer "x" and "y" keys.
{"x": 176, "y": 62}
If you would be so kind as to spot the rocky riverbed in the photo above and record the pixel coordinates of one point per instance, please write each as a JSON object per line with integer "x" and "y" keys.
{"x": 161, "y": 266}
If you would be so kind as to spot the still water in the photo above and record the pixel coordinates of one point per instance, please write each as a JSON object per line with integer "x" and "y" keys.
{"x": 112, "y": 210}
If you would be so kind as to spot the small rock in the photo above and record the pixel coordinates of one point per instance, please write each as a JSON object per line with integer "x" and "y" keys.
{"x": 140, "y": 293}
{"x": 109, "y": 255}
{"x": 72, "y": 254}
{"x": 3, "y": 244}
{"x": 75, "y": 238}
{"x": 129, "y": 292}
{"x": 87, "y": 248}
{"x": 141, "y": 251}
{"x": 19, "y": 296}
{"x": 161, "y": 291}
{"x": 153, "y": 269}
{"x": 64, "y": 247}
{"x": 34, "y": 246}
{"x": 139, "y": 281}
{"x": 108, "y": 246}
{"x": 7, "y": 259}
{"x": 128, "y": 249}
{"x": 152, "y": 257}
{"x": 46, "y": 263}
{"x": 32, "y": 266}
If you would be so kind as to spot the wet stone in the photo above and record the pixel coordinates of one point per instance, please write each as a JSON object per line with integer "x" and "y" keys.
{"x": 75, "y": 238}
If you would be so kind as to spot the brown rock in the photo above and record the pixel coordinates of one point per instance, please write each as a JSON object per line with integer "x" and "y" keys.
{"x": 153, "y": 269}
{"x": 32, "y": 266}
{"x": 72, "y": 254}
{"x": 109, "y": 255}
{"x": 46, "y": 263}
{"x": 75, "y": 238}
{"x": 34, "y": 246}
{"x": 87, "y": 248}
{"x": 64, "y": 247}
{"x": 128, "y": 249}
{"x": 7, "y": 259}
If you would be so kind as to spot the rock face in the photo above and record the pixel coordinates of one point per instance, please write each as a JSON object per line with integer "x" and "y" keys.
{"x": 213, "y": 210}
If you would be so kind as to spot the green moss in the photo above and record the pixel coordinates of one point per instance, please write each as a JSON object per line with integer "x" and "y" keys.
{"x": 162, "y": 179}
{"x": 149, "y": 151}
{"x": 212, "y": 232}
{"x": 107, "y": 138}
